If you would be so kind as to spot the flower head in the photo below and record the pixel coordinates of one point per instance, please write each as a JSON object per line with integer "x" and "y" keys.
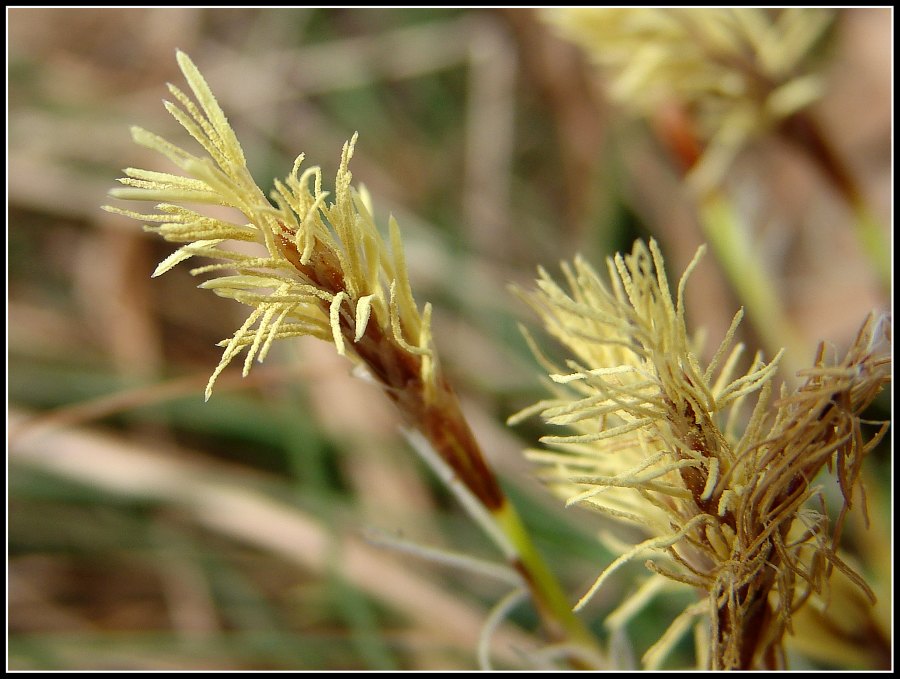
{"x": 722, "y": 485}
{"x": 736, "y": 71}
{"x": 323, "y": 269}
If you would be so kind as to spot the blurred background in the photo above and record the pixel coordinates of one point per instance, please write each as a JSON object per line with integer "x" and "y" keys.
{"x": 149, "y": 530}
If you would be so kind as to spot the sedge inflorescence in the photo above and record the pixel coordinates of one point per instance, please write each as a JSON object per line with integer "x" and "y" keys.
{"x": 715, "y": 469}
{"x": 324, "y": 269}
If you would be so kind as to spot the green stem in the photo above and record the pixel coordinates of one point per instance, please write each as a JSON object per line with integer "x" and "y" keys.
{"x": 749, "y": 278}
{"x": 549, "y": 596}
{"x": 874, "y": 242}
{"x": 497, "y": 517}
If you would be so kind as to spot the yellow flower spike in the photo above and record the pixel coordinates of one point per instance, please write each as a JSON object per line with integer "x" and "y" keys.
{"x": 653, "y": 440}
{"x": 326, "y": 271}
{"x": 311, "y": 274}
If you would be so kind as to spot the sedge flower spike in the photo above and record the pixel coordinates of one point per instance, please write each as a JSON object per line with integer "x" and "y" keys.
{"x": 322, "y": 268}
{"x": 716, "y": 470}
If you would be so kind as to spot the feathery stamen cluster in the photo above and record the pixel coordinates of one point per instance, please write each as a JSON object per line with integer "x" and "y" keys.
{"x": 325, "y": 270}
{"x": 656, "y": 444}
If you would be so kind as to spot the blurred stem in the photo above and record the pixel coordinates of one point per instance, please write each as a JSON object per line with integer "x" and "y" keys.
{"x": 874, "y": 242}
{"x": 802, "y": 130}
{"x": 728, "y": 237}
{"x": 747, "y": 273}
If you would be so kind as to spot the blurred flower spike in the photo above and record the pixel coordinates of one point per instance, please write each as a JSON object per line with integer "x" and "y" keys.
{"x": 716, "y": 470}
{"x": 326, "y": 271}
{"x": 733, "y": 72}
